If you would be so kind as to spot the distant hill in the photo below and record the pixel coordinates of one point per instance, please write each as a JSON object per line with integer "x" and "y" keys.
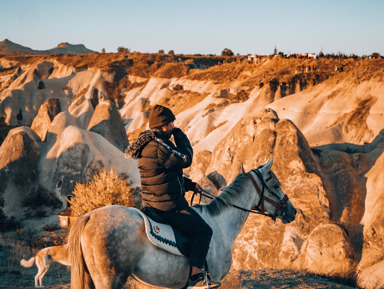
{"x": 8, "y": 47}
{"x": 66, "y": 47}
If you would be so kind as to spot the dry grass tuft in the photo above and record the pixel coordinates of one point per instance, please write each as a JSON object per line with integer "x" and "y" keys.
{"x": 106, "y": 188}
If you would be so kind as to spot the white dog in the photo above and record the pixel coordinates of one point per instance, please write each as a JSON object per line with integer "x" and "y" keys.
{"x": 43, "y": 259}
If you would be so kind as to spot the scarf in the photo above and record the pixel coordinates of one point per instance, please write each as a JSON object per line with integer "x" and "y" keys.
{"x": 134, "y": 150}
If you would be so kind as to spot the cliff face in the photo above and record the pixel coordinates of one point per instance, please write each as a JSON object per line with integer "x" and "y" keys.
{"x": 324, "y": 130}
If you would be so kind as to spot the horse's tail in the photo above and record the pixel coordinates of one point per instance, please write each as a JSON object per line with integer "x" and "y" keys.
{"x": 28, "y": 263}
{"x": 75, "y": 253}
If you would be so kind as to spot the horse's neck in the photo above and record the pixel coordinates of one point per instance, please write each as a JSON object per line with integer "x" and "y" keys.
{"x": 232, "y": 219}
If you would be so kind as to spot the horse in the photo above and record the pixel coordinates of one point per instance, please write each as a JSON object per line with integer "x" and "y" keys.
{"x": 109, "y": 244}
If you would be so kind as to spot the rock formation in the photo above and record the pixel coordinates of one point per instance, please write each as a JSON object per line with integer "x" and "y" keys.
{"x": 107, "y": 122}
{"x": 19, "y": 155}
{"x": 371, "y": 265}
{"x": 325, "y": 132}
{"x": 266, "y": 137}
{"x": 45, "y": 116}
{"x": 372, "y": 277}
{"x": 48, "y": 171}
{"x": 327, "y": 251}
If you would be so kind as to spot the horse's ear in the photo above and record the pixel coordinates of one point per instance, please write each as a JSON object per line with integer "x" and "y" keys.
{"x": 267, "y": 166}
{"x": 242, "y": 169}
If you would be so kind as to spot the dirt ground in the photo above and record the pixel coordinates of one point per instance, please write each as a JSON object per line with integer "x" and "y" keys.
{"x": 22, "y": 244}
{"x": 58, "y": 277}
{"x": 13, "y": 276}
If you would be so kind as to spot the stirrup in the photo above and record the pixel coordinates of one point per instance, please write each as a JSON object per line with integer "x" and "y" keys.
{"x": 208, "y": 278}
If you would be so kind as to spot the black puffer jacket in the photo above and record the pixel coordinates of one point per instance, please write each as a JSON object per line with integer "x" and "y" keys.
{"x": 160, "y": 164}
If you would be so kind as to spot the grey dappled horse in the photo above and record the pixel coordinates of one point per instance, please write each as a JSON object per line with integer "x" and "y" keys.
{"x": 109, "y": 244}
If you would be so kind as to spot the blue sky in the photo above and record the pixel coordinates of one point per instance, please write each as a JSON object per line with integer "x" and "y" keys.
{"x": 198, "y": 26}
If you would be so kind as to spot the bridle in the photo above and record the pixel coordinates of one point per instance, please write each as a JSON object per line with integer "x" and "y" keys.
{"x": 260, "y": 207}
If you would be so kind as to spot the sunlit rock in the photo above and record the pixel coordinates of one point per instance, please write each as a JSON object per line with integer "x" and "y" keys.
{"x": 291, "y": 246}
{"x": 372, "y": 277}
{"x": 327, "y": 251}
{"x": 44, "y": 118}
{"x": 373, "y": 220}
{"x": 261, "y": 245}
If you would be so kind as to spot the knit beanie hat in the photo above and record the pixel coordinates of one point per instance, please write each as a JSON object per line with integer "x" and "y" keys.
{"x": 159, "y": 116}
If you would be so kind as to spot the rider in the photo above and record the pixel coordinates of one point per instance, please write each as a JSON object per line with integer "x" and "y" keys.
{"x": 160, "y": 163}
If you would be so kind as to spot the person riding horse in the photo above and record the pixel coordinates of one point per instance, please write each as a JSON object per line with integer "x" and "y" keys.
{"x": 160, "y": 163}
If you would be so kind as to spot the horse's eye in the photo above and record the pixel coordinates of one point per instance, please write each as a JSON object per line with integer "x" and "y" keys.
{"x": 277, "y": 186}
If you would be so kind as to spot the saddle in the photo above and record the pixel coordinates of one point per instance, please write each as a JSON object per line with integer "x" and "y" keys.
{"x": 162, "y": 235}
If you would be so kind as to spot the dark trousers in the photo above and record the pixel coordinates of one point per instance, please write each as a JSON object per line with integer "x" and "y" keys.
{"x": 190, "y": 223}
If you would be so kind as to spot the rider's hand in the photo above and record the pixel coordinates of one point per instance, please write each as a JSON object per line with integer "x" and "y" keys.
{"x": 198, "y": 188}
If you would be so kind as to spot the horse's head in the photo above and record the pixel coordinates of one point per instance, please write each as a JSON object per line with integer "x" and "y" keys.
{"x": 272, "y": 200}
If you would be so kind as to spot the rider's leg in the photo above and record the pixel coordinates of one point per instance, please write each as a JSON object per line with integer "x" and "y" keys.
{"x": 195, "y": 270}
{"x": 191, "y": 223}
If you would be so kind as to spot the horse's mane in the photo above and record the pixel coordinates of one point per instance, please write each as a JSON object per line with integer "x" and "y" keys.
{"x": 228, "y": 196}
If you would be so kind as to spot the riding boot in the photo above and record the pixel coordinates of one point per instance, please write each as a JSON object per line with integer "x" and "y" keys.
{"x": 202, "y": 280}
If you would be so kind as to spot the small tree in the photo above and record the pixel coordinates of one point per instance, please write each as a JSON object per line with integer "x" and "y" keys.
{"x": 106, "y": 188}
{"x": 171, "y": 53}
{"x": 227, "y": 52}
{"x": 122, "y": 49}
{"x": 103, "y": 50}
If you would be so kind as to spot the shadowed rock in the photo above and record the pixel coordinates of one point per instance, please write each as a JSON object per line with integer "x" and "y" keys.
{"x": 107, "y": 122}
{"x": 19, "y": 156}
{"x": 74, "y": 155}
{"x": 36, "y": 177}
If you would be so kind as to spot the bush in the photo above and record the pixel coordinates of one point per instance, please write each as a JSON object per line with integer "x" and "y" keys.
{"x": 106, "y": 188}
{"x": 122, "y": 49}
{"x": 227, "y": 52}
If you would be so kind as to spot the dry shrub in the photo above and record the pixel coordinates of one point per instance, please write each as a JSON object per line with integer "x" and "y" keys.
{"x": 171, "y": 70}
{"x": 106, "y": 188}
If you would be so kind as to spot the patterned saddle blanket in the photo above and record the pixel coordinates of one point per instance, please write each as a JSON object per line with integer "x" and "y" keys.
{"x": 163, "y": 235}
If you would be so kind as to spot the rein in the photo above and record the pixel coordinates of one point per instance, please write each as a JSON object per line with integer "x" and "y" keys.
{"x": 257, "y": 210}
{"x": 210, "y": 196}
